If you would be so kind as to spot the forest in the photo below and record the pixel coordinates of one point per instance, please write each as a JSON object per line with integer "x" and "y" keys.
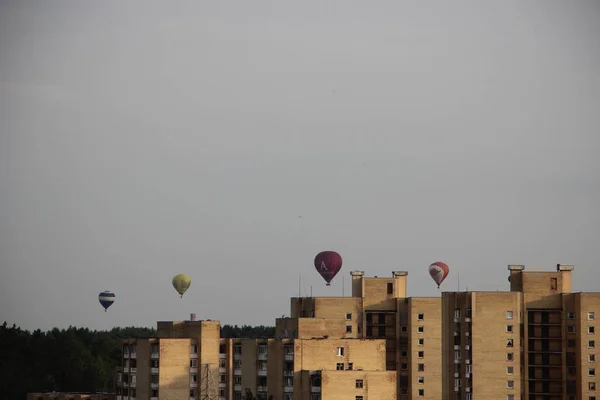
{"x": 75, "y": 359}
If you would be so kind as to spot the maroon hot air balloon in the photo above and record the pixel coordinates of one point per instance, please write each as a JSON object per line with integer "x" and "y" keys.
{"x": 328, "y": 264}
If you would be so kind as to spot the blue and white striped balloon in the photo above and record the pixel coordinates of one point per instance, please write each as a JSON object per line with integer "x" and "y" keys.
{"x": 106, "y": 298}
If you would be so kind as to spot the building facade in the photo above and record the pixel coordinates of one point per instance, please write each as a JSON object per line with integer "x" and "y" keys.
{"x": 534, "y": 342}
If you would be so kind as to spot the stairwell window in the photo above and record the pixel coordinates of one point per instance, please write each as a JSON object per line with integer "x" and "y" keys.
{"x": 350, "y": 366}
{"x": 421, "y": 392}
{"x": 421, "y": 341}
{"x": 339, "y": 366}
{"x": 591, "y": 316}
{"x": 591, "y": 330}
{"x": 420, "y": 329}
{"x": 421, "y": 316}
{"x": 340, "y": 351}
{"x": 509, "y": 315}
{"x": 509, "y": 328}
{"x": 553, "y": 284}
{"x": 390, "y": 288}
{"x": 570, "y": 328}
{"x": 510, "y": 384}
{"x": 358, "y": 398}
{"x": 509, "y": 343}
{"x": 592, "y": 371}
{"x": 421, "y": 367}
{"x": 510, "y": 356}
{"x": 348, "y": 316}
{"x": 359, "y": 383}
{"x": 591, "y": 344}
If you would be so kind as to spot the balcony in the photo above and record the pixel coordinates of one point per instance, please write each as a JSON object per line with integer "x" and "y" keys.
{"x": 222, "y": 385}
{"x": 193, "y": 384}
{"x": 456, "y": 347}
{"x": 237, "y": 357}
{"x": 222, "y": 356}
{"x": 467, "y": 319}
{"x": 237, "y": 388}
{"x": 126, "y": 384}
{"x": 193, "y": 356}
{"x": 126, "y": 355}
{"x": 133, "y": 355}
{"x": 262, "y": 356}
{"x": 133, "y": 370}
{"x": 237, "y": 371}
{"x": 154, "y": 385}
{"x": 288, "y": 389}
{"x": 132, "y": 384}
{"x": 315, "y": 389}
{"x": 288, "y": 373}
{"x": 262, "y": 372}
{"x": 153, "y": 398}
{"x": 289, "y": 357}
{"x": 222, "y": 370}
{"x": 154, "y": 355}
{"x": 261, "y": 389}
{"x": 154, "y": 370}
{"x": 456, "y": 375}
{"x": 195, "y": 369}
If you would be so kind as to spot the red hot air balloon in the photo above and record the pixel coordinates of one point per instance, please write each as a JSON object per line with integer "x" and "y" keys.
{"x": 438, "y": 271}
{"x": 328, "y": 264}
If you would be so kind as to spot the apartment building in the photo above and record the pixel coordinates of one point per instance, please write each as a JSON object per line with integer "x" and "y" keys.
{"x": 534, "y": 342}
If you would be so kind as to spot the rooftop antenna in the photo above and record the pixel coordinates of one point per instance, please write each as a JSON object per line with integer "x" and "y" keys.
{"x": 458, "y": 284}
{"x": 343, "y": 285}
{"x": 310, "y": 290}
{"x": 299, "y": 285}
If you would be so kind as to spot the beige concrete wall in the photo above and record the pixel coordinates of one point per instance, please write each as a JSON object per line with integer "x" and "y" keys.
{"x": 174, "y": 372}
{"x": 342, "y": 385}
{"x": 489, "y": 343}
{"x": 431, "y": 311}
{"x": 584, "y": 303}
{"x": 307, "y": 328}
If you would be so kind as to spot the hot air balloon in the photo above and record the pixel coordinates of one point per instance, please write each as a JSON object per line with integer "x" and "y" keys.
{"x": 438, "y": 271}
{"x": 106, "y": 298}
{"x": 328, "y": 264}
{"x": 181, "y": 283}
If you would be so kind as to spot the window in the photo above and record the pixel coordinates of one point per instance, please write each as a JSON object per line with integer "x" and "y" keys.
{"x": 194, "y": 363}
{"x": 350, "y": 366}
{"x": 237, "y": 395}
{"x": 222, "y": 378}
{"x": 553, "y": 283}
{"x": 571, "y": 329}
{"x": 404, "y": 328}
{"x": 222, "y": 363}
{"x": 571, "y": 343}
{"x": 591, "y": 358}
{"x": 570, "y": 315}
{"x": 340, "y": 351}
{"x": 457, "y": 354}
{"x": 390, "y": 288}
{"x": 421, "y": 392}
{"x": 421, "y": 316}
{"x": 457, "y": 383}
{"x": 510, "y": 397}
{"x": 237, "y": 364}
{"x": 237, "y": 380}
{"x": 348, "y": 328}
{"x": 509, "y": 342}
{"x": 592, "y": 398}
{"x": 237, "y": 349}
{"x": 193, "y": 348}
{"x": 457, "y": 313}
{"x": 592, "y": 371}
{"x": 592, "y": 386}
{"x": 468, "y": 369}
{"x": 358, "y": 398}
{"x": 421, "y": 380}
{"x": 509, "y": 356}
{"x": 404, "y": 366}
{"x": 510, "y": 384}
{"x": 591, "y": 344}
{"x": 420, "y": 329}
{"x": 591, "y": 330}
{"x": 348, "y": 316}
{"x": 192, "y": 392}
{"x": 262, "y": 349}
{"x": 421, "y": 342}
{"x": 509, "y": 328}
{"x": 510, "y": 370}
{"x": 421, "y": 354}
{"x": 339, "y": 366}
{"x": 421, "y": 367}
{"x": 591, "y": 316}
{"x": 509, "y": 315}
{"x": 468, "y": 313}
{"x": 404, "y": 353}
{"x": 359, "y": 383}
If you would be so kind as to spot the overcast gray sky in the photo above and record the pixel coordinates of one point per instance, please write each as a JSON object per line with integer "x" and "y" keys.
{"x": 143, "y": 139}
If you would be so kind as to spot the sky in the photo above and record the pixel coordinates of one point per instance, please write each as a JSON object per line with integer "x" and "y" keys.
{"x": 233, "y": 141}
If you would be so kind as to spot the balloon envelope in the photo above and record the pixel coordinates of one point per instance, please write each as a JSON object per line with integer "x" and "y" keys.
{"x": 328, "y": 264}
{"x": 438, "y": 271}
{"x": 181, "y": 283}
{"x": 106, "y": 298}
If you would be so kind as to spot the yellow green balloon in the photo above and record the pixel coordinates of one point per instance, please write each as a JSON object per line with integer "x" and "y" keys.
{"x": 181, "y": 283}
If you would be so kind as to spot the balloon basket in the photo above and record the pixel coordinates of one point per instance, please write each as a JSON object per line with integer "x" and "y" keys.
{"x": 329, "y": 284}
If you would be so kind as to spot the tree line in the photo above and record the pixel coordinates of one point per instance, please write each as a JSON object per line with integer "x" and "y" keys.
{"x": 75, "y": 359}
